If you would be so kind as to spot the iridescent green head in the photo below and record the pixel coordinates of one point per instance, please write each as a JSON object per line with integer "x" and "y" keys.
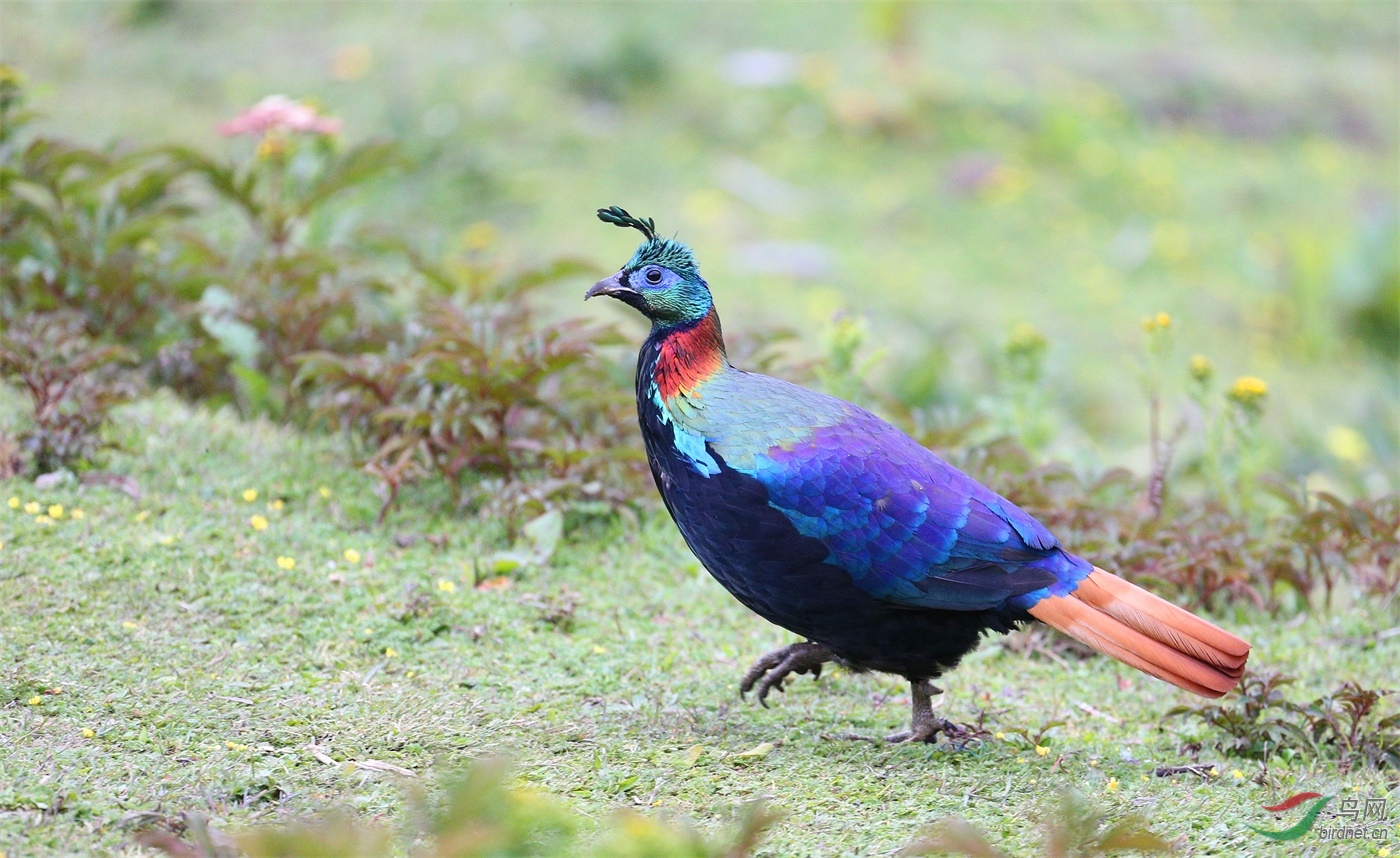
{"x": 661, "y": 279}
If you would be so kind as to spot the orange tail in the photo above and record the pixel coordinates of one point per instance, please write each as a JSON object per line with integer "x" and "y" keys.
{"x": 1137, "y": 628}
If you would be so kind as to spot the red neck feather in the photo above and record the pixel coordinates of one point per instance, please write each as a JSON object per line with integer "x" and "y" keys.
{"x": 688, "y": 356}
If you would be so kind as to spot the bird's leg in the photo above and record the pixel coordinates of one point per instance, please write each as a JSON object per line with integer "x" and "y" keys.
{"x": 770, "y": 671}
{"x": 924, "y": 726}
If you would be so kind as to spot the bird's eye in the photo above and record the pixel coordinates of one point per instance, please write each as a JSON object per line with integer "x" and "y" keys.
{"x": 653, "y": 275}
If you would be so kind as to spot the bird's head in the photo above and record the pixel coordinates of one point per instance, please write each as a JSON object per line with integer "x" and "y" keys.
{"x": 661, "y": 279}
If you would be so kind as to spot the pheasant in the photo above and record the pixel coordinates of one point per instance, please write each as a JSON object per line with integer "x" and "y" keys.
{"x": 829, "y": 522}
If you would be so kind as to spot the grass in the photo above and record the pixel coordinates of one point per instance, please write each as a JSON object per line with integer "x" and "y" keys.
{"x": 213, "y": 680}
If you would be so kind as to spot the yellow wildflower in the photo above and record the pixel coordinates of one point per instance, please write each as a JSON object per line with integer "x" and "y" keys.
{"x": 128, "y": 624}
{"x": 1042, "y": 750}
{"x": 78, "y": 514}
{"x": 250, "y": 495}
{"x": 599, "y": 650}
{"x": 143, "y": 515}
{"x": 56, "y": 511}
{"x": 258, "y": 522}
{"x": 1157, "y": 322}
{"x": 276, "y": 505}
{"x": 351, "y": 556}
{"x": 1201, "y": 368}
{"x": 1249, "y": 385}
{"x": 2, "y": 543}
{"x": 286, "y": 563}
{"x": 447, "y": 586}
{"x": 35, "y": 700}
{"x": 411, "y": 674}
{"x": 1214, "y": 772}
{"x": 32, "y": 507}
{"x": 234, "y": 746}
{"x": 390, "y": 652}
{"x": 1384, "y": 852}
{"x": 1001, "y": 735}
{"x": 1237, "y": 774}
{"x": 89, "y": 733}
{"x": 42, "y": 519}
{"x": 14, "y": 503}
{"x": 1112, "y": 784}
{"x": 324, "y": 492}
{"x": 1248, "y": 392}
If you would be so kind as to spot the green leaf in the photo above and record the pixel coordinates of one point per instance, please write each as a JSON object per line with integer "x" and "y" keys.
{"x": 255, "y": 391}
{"x": 543, "y": 533}
{"x": 760, "y": 750}
{"x": 356, "y": 166}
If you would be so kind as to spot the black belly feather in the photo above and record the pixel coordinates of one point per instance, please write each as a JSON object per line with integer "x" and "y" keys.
{"x": 758, "y": 555}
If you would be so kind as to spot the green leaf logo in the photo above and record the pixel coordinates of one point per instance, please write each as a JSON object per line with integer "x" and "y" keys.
{"x": 1303, "y": 825}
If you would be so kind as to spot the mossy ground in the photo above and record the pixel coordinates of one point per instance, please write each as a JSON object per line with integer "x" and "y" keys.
{"x": 213, "y": 680}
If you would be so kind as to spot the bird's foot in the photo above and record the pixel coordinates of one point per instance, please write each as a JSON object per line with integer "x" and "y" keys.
{"x": 770, "y": 671}
{"x": 924, "y": 726}
{"x": 922, "y": 733}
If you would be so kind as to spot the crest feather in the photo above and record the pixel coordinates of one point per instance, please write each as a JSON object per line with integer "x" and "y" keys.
{"x": 618, "y": 216}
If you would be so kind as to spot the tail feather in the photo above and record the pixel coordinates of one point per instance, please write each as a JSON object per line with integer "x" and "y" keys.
{"x": 1162, "y": 621}
{"x": 1148, "y": 633}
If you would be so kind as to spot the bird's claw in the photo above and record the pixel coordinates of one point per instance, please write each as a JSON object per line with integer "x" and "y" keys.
{"x": 769, "y": 671}
{"x": 925, "y": 732}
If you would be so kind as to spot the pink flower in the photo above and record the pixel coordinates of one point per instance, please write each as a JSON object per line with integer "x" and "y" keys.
{"x": 279, "y": 113}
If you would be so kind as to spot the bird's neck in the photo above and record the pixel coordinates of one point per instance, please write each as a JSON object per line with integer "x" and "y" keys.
{"x": 679, "y": 358}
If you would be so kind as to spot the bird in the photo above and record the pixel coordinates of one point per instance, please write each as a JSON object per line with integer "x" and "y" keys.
{"x": 826, "y": 520}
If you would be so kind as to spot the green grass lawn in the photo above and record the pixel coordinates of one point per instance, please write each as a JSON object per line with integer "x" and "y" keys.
{"x": 156, "y": 658}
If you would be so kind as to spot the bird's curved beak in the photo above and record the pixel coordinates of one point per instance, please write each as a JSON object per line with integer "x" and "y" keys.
{"x": 613, "y": 286}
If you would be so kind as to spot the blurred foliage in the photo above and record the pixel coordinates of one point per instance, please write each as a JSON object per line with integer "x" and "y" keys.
{"x": 477, "y": 815}
{"x": 1074, "y": 829}
{"x": 72, "y": 382}
{"x": 287, "y": 288}
{"x": 81, "y": 231}
{"x": 1369, "y": 286}
{"x": 113, "y": 238}
{"x": 512, "y": 412}
{"x": 631, "y": 66}
{"x": 1239, "y": 537}
{"x": 958, "y": 168}
{"x": 1196, "y": 550}
{"x": 446, "y": 368}
{"x": 1348, "y": 724}
{"x": 450, "y": 371}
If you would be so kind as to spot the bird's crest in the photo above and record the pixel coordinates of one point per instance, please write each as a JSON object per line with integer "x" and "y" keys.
{"x": 655, "y": 250}
{"x": 618, "y": 216}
